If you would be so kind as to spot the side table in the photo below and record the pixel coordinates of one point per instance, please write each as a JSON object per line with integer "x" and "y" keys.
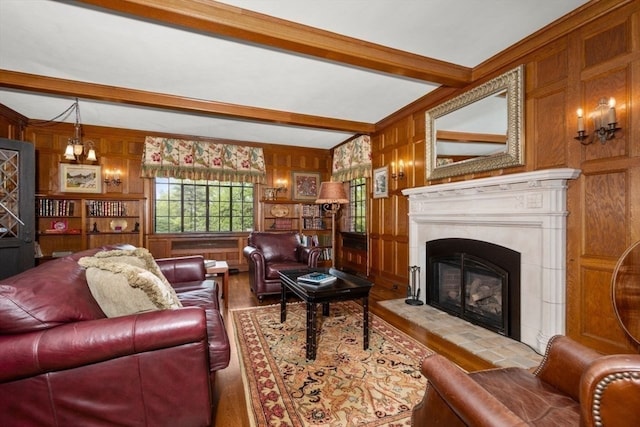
{"x": 222, "y": 267}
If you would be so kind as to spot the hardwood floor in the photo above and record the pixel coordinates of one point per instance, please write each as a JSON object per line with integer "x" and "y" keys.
{"x": 229, "y": 396}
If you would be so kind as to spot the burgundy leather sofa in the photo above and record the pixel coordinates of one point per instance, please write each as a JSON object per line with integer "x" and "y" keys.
{"x": 63, "y": 363}
{"x": 268, "y": 253}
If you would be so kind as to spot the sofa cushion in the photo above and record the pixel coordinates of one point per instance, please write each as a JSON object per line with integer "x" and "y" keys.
{"x": 122, "y": 289}
{"x": 52, "y": 294}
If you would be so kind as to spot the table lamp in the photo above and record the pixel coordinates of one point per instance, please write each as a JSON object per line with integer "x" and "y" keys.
{"x": 331, "y": 196}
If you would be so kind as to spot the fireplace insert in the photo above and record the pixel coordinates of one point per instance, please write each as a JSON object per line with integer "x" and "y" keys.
{"x": 476, "y": 281}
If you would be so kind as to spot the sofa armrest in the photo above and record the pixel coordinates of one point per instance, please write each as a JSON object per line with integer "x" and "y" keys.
{"x": 610, "y": 391}
{"x": 83, "y": 343}
{"x": 183, "y": 269}
{"x": 472, "y": 404}
{"x": 563, "y": 364}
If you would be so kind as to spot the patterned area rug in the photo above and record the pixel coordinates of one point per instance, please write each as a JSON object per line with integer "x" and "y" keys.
{"x": 344, "y": 386}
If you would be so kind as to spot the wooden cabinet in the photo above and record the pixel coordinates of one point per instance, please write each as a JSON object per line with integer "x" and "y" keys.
{"x": 308, "y": 219}
{"x": 70, "y": 224}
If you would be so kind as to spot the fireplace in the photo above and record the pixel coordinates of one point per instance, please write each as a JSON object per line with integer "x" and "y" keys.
{"x": 476, "y": 281}
{"x": 524, "y": 212}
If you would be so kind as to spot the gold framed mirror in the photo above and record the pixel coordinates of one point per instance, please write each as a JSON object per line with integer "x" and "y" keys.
{"x": 478, "y": 130}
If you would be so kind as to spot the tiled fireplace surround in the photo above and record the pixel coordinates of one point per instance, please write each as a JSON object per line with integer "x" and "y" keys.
{"x": 525, "y": 212}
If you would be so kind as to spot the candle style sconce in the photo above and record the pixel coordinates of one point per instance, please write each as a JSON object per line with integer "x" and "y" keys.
{"x": 604, "y": 123}
{"x": 399, "y": 174}
{"x": 112, "y": 178}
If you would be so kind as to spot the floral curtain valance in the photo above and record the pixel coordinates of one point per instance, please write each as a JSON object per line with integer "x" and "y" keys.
{"x": 352, "y": 160}
{"x": 183, "y": 159}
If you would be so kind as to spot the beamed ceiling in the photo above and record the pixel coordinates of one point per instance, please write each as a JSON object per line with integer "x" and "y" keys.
{"x": 294, "y": 72}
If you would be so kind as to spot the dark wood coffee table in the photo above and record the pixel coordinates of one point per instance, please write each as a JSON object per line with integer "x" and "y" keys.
{"x": 346, "y": 287}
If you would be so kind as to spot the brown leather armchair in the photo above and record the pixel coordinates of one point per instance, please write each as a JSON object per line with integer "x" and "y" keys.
{"x": 573, "y": 386}
{"x": 268, "y": 253}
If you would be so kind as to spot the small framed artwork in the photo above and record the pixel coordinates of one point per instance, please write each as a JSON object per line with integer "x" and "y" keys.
{"x": 80, "y": 178}
{"x": 381, "y": 182}
{"x": 305, "y": 185}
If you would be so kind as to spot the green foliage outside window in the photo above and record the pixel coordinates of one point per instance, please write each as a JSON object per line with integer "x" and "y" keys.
{"x": 357, "y": 205}
{"x": 187, "y": 206}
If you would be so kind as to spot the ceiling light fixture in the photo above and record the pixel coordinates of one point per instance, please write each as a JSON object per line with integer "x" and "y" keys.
{"x": 77, "y": 149}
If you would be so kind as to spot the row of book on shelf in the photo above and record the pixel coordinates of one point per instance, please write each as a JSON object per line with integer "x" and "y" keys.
{"x": 107, "y": 208}
{"x": 54, "y": 207}
{"x": 63, "y": 207}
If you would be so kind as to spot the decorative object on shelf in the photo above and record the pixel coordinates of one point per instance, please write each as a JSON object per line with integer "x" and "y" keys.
{"x": 331, "y": 196}
{"x": 112, "y": 177}
{"x": 77, "y": 149}
{"x": 381, "y": 182}
{"x": 399, "y": 174}
{"x": 80, "y": 178}
{"x": 271, "y": 193}
{"x": 118, "y": 225}
{"x": 305, "y": 185}
{"x": 279, "y": 211}
{"x": 95, "y": 228}
{"x": 413, "y": 290}
{"x": 60, "y": 225}
{"x": 604, "y": 123}
{"x": 136, "y": 227}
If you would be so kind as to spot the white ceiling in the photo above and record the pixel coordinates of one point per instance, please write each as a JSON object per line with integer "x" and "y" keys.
{"x": 77, "y": 42}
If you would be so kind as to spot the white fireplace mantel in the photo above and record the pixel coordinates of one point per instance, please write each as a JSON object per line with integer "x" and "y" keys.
{"x": 525, "y": 212}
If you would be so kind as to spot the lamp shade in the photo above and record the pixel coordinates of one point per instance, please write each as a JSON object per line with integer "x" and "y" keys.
{"x": 332, "y": 192}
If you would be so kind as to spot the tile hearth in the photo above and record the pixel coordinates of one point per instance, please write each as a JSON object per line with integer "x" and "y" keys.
{"x": 495, "y": 348}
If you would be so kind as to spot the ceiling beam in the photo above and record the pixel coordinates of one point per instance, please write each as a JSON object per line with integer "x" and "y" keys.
{"x": 219, "y": 19}
{"x": 52, "y": 85}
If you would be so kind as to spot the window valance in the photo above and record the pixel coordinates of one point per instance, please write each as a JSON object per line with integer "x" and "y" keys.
{"x": 352, "y": 159}
{"x": 183, "y": 159}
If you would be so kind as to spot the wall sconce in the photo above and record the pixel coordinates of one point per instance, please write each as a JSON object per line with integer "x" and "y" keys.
{"x": 400, "y": 173}
{"x": 281, "y": 186}
{"x": 112, "y": 178}
{"x": 604, "y": 123}
{"x": 76, "y": 149}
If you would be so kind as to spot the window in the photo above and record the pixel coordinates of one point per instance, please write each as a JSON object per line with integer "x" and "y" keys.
{"x": 186, "y": 206}
{"x": 357, "y": 205}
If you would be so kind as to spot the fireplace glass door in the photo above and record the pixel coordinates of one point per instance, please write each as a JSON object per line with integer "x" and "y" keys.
{"x": 472, "y": 289}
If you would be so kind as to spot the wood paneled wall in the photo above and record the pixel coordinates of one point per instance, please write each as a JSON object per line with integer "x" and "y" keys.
{"x": 574, "y": 70}
{"x": 122, "y": 149}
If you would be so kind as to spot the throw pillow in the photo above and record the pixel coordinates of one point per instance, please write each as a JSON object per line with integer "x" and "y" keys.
{"x": 139, "y": 257}
{"x": 121, "y": 289}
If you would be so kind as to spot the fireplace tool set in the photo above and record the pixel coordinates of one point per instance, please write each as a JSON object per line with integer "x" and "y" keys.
{"x": 413, "y": 290}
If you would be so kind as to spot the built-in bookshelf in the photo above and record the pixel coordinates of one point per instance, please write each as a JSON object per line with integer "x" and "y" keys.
{"x": 67, "y": 224}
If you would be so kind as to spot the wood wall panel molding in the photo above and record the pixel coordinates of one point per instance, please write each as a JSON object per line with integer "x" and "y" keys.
{"x": 605, "y": 213}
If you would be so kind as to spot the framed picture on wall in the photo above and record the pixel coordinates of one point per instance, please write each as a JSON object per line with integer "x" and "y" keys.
{"x": 80, "y": 178}
{"x": 305, "y": 185}
{"x": 381, "y": 182}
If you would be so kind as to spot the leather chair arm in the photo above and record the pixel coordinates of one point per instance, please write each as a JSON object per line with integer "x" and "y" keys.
{"x": 183, "y": 269}
{"x": 309, "y": 255}
{"x": 473, "y": 404}
{"x": 610, "y": 391}
{"x": 87, "y": 342}
{"x": 563, "y": 364}
{"x": 255, "y": 256}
